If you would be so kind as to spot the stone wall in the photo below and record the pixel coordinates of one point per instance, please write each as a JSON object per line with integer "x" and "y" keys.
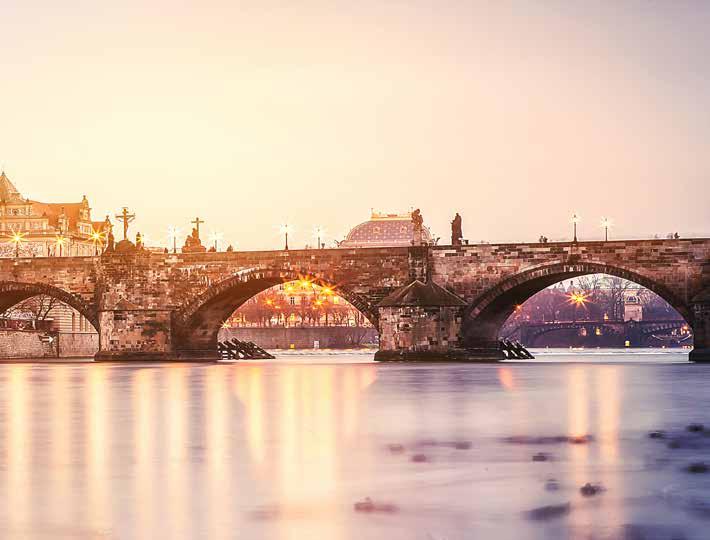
{"x": 303, "y": 337}
{"x": 78, "y": 345}
{"x": 21, "y": 344}
{"x": 34, "y": 344}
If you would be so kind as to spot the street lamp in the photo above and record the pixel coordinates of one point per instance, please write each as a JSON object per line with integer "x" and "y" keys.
{"x": 97, "y": 238}
{"x": 285, "y": 229}
{"x": 606, "y": 223}
{"x": 16, "y": 239}
{"x": 575, "y": 219}
{"x": 319, "y": 232}
{"x": 173, "y": 233}
{"x": 216, "y": 237}
{"x": 59, "y": 242}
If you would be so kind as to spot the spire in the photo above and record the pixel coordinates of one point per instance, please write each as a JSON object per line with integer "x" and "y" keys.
{"x": 8, "y": 192}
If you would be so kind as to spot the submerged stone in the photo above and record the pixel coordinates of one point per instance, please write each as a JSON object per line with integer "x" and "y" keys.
{"x": 419, "y": 458}
{"x": 367, "y": 505}
{"x": 549, "y": 512}
{"x": 697, "y": 468}
{"x": 589, "y": 490}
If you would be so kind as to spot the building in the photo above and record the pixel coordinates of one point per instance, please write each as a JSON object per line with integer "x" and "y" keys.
{"x": 384, "y": 230}
{"x": 296, "y": 304}
{"x": 31, "y": 228}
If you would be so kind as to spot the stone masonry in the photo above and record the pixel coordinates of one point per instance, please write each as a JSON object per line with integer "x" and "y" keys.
{"x": 170, "y": 306}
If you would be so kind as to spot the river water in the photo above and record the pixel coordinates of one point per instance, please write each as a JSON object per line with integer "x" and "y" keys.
{"x": 283, "y": 449}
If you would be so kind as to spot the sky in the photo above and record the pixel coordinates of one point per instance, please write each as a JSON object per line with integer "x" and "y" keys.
{"x": 252, "y": 114}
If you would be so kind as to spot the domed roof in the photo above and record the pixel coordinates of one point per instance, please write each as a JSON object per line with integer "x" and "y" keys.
{"x": 384, "y": 230}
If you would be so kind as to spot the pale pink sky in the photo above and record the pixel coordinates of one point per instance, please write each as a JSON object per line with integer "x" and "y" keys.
{"x": 249, "y": 114}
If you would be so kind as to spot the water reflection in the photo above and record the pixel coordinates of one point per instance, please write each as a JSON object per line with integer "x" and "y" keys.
{"x": 283, "y": 450}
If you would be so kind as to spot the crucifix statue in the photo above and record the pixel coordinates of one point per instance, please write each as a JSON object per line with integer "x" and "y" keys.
{"x": 197, "y": 224}
{"x": 126, "y": 218}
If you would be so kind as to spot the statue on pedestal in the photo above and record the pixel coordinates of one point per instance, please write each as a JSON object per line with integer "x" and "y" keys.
{"x": 456, "y": 232}
{"x": 193, "y": 244}
{"x": 417, "y": 228}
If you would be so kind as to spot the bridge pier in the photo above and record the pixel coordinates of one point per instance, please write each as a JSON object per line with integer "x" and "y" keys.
{"x": 422, "y": 322}
{"x": 130, "y": 333}
{"x": 701, "y": 328}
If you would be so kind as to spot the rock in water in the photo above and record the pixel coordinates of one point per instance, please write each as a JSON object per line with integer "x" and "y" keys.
{"x": 549, "y": 512}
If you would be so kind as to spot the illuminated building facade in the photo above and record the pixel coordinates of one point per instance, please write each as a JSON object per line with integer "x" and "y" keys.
{"x": 35, "y": 229}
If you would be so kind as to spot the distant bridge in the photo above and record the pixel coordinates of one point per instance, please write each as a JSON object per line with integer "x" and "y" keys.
{"x": 639, "y": 331}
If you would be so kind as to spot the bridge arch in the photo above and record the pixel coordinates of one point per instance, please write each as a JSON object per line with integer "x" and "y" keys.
{"x": 488, "y": 312}
{"x": 197, "y": 324}
{"x": 12, "y": 293}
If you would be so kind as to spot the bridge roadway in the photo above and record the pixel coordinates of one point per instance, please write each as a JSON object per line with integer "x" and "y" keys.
{"x": 170, "y": 306}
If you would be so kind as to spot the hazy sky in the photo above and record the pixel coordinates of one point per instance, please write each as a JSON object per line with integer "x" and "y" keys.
{"x": 254, "y": 113}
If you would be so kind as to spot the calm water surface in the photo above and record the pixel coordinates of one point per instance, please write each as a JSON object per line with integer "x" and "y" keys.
{"x": 282, "y": 450}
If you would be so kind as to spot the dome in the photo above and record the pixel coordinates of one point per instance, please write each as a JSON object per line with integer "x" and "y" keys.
{"x": 384, "y": 230}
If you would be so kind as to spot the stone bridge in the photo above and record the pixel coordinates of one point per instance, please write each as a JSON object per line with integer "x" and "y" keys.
{"x": 638, "y": 331}
{"x": 171, "y": 306}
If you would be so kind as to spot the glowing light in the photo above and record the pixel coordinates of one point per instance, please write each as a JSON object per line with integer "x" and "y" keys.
{"x": 286, "y": 228}
{"x": 606, "y": 223}
{"x": 16, "y": 237}
{"x": 575, "y": 218}
{"x": 269, "y": 301}
{"x": 215, "y": 237}
{"x": 226, "y": 325}
{"x": 304, "y": 283}
{"x": 577, "y": 299}
{"x": 60, "y": 240}
{"x": 327, "y": 291}
{"x": 173, "y": 232}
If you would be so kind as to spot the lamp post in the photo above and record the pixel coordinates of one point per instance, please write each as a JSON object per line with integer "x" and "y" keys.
{"x": 16, "y": 239}
{"x": 97, "y": 239}
{"x": 59, "y": 242}
{"x": 606, "y": 223}
{"x": 319, "y": 233}
{"x": 216, "y": 237}
{"x": 285, "y": 229}
{"x": 173, "y": 233}
{"x": 575, "y": 220}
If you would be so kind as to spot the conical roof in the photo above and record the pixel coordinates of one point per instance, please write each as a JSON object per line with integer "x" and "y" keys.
{"x": 8, "y": 192}
{"x": 422, "y": 294}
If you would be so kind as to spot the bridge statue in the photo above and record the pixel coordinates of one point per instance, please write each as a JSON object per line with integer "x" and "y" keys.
{"x": 417, "y": 228}
{"x": 193, "y": 244}
{"x": 456, "y": 231}
{"x": 427, "y": 301}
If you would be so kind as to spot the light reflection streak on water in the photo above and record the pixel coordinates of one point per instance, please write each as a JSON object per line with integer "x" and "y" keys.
{"x": 578, "y": 425}
{"x": 60, "y": 443}
{"x": 176, "y": 401}
{"x": 18, "y": 447}
{"x": 218, "y": 457}
{"x": 607, "y": 388}
{"x": 143, "y": 443}
{"x": 97, "y": 446}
